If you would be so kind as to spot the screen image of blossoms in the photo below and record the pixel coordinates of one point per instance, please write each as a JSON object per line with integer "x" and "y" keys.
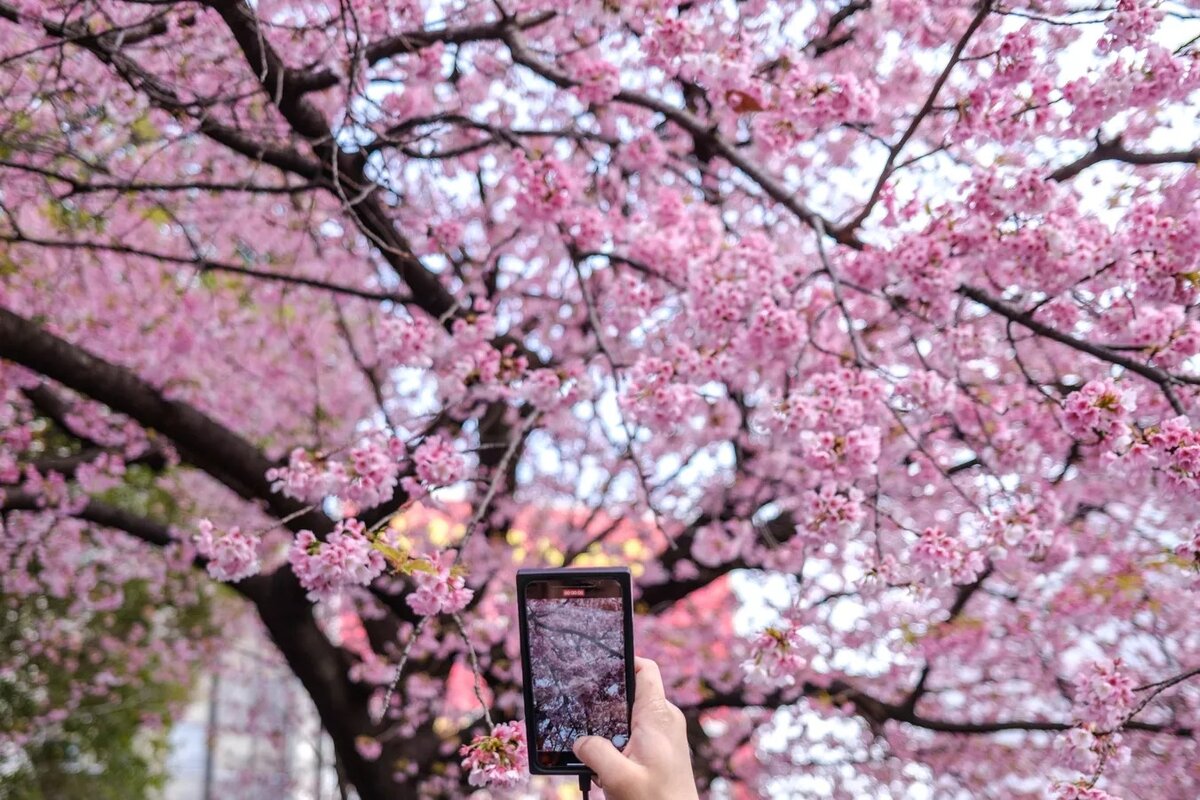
{"x": 577, "y": 655}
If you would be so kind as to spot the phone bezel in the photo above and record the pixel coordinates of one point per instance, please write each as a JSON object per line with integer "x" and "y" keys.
{"x": 569, "y": 575}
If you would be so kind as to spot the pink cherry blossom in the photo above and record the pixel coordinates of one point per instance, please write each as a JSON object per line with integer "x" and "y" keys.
{"x": 1130, "y": 23}
{"x": 1104, "y": 693}
{"x": 438, "y": 463}
{"x": 232, "y": 555}
{"x": 302, "y": 478}
{"x": 1099, "y": 410}
{"x": 441, "y": 589}
{"x": 366, "y": 476}
{"x": 872, "y": 323}
{"x": 406, "y": 342}
{"x": 1075, "y": 791}
{"x": 599, "y": 80}
{"x": 937, "y": 553}
{"x": 778, "y": 657}
{"x": 497, "y": 759}
{"x": 345, "y": 559}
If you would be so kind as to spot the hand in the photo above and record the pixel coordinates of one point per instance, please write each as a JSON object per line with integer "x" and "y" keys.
{"x": 656, "y": 764}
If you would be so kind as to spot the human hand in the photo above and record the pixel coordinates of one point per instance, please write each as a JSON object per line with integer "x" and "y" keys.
{"x": 656, "y": 764}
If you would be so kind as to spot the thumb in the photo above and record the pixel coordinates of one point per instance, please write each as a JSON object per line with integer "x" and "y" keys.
{"x": 606, "y": 761}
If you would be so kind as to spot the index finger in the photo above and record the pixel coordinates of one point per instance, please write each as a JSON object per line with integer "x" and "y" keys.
{"x": 648, "y": 685}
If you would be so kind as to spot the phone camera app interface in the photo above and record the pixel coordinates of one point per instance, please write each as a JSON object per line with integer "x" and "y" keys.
{"x": 577, "y": 662}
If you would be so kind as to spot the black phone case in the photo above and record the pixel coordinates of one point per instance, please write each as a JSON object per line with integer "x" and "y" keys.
{"x": 524, "y": 577}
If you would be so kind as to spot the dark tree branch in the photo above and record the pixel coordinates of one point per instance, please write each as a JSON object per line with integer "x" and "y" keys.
{"x": 202, "y": 440}
{"x": 961, "y": 598}
{"x": 142, "y": 528}
{"x": 77, "y": 186}
{"x": 284, "y": 158}
{"x": 207, "y": 265}
{"x": 876, "y": 712}
{"x": 984, "y": 8}
{"x": 55, "y": 408}
{"x": 1115, "y": 150}
{"x": 68, "y": 465}
{"x": 1164, "y": 379}
{"x": 832, "y": 38}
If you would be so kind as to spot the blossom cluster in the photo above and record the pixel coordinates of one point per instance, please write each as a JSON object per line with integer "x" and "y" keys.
{"x": 1130, "y": 23}
{"x": 345, "y": 559}
{"x": 826, "y": 514}
{"x": 722, "y": 542}
{"x": 1081, "y": 791}
{"x": 437, "y": 463}
{"x": 1086, "y": 749}
{"x": 937, "y": 553}
{"x": 598, "y": 79}
{"x": 1099, "y": 411}
{"x": 498, "y": 758}
{"x": 805, "y": 102}
{"x": 1176, "y": 445}
{"x": 406, "y": 342}
{"x": 367, "y": 478}
{"x": 441, "y": 587}
{"x": 232, "y": 555}
{"x": 1104, "y": 693}
{"x": 778, "y": 656}
{"x": 653, "y": 394}
{"x": 547, "y": 186}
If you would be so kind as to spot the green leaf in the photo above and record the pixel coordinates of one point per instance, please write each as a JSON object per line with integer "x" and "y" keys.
{"x": 142, "y": 130}
{"x": 158, "y": 215}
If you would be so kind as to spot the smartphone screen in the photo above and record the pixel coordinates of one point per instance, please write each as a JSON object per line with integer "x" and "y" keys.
{"x": 578, "y": 662}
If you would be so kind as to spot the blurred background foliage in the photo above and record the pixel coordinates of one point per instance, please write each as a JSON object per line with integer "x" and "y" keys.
{"x": 112, "y": 744}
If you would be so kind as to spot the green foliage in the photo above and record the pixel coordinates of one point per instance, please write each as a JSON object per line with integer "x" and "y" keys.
{"x": 111, "y": 744}
{"x": 140, "y": 493}
{"x": 67, "y": 217}
{"x": 103, "y": 749}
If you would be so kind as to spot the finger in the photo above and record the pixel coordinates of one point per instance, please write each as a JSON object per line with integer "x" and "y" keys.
{"x": 648, "y": 686}
{"x": 602, "y": 758}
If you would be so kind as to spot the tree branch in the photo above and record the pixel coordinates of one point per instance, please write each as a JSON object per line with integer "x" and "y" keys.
{"x": 985, "y": 8}
{"x": 202, "y": 440}
{"x": 701, "y": 134}
{"x": 342, "y": 171}
{"x": 876, "y": 712}
{"x": 1115, "y": 150}
{"x": 207, "y": 265}
{"x": 961, "y": 598}
{"x": 831, "y": 39}
{"x": 1164, "y": 379}
{"x": 68, "y": 465}
{"x": 661, "y": 596}
{"x": 142, "y": 528}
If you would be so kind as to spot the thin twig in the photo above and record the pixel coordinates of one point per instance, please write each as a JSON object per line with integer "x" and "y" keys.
{"x": 478, "y": 677}
{"x": 387, "y": 696}
{"x": 594, "y": 321}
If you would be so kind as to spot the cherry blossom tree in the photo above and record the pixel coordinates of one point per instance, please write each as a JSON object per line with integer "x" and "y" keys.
{"x": 886, "y": 309}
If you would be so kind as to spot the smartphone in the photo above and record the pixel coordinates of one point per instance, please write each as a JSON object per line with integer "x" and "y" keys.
{"x": 576, "y": 660}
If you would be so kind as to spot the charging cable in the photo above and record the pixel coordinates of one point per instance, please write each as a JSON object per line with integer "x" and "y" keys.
{"x": 585, "y": 785}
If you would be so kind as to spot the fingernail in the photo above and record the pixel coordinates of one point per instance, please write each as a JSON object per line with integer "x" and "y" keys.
{"x": 579, "y": 743}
